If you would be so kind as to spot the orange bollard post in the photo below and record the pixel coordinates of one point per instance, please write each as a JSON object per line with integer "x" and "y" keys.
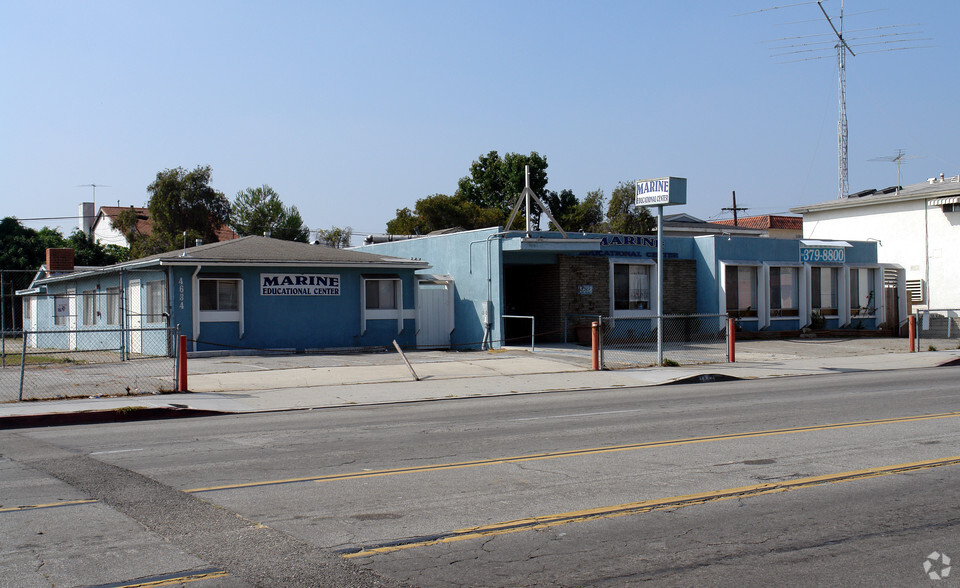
{"x": 912, "y": 331}
{"x": 182, "y": 361}
{"x": 731, "y": 341}
{"x": 595, "y": 344}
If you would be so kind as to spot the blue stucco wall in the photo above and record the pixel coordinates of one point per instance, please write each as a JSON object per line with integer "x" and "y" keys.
{"x": 293, "y": 322}
{"x": 464, "y": 257}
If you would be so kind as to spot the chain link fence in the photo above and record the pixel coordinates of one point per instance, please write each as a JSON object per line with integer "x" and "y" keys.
{"x": 938, "y": 329}
{"x": 687, "y": 340}
{"x": 83, "y": 344}
{"x": 53, "y": 370}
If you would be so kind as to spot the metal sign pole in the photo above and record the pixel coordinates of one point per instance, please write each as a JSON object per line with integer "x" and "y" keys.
{"x": 660, "y": 285}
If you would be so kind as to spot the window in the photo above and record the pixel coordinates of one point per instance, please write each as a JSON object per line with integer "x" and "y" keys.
{"x": 741, "y": 287}
{"x": 156, "y": 295}
{"x": 216, "y": 295}
{"x": 823, "y": 290}
{"x": 631, "y": 286}
{"x": 89, "y": 307}
{"x": 61, "y": 309}
{"x": 862, "y": 284}
{"x": 113, "y": 306}
{"x": 784, "y": 291}
{"x": 27, "y": 302}
{"x": 381, "y": 294}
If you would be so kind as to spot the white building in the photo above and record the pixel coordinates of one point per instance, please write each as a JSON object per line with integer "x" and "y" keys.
{"x": 917, "y": 229}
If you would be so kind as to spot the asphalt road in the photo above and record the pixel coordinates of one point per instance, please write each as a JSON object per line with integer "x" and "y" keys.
{"x": 845, "y": 479}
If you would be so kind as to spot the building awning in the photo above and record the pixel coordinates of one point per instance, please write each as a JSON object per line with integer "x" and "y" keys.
{"x": 822, "y": 243}
{"x": 947, "y": 200}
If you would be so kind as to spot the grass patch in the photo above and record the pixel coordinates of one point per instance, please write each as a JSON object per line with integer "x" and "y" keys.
{"x": 669, "y": 363}
{"x": 34, "y": 359}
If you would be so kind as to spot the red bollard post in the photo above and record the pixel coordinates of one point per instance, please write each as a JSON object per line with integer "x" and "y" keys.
{"x": 731, "y": 341}
{"x": 182, "y": 362}
{"x": 912, "y": 330}
{"x": 595, "y": 344}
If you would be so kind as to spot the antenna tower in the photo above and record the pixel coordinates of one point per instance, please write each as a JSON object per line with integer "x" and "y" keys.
{"x": 805, "y": 45}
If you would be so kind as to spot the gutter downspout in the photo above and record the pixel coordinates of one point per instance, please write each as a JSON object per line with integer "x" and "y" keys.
{"x": 195, "y": 305}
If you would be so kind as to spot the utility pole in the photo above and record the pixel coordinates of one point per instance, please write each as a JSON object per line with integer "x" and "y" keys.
{"x": 734, "y": 208}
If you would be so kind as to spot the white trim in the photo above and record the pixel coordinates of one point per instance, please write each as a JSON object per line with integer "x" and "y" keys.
{"x": 942, "y": 201}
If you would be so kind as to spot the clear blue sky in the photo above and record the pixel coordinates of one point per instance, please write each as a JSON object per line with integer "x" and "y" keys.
{"x": 351, "y": 110}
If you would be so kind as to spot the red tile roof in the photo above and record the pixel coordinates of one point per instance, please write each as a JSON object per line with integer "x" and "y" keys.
{"x": 767, "y": 221}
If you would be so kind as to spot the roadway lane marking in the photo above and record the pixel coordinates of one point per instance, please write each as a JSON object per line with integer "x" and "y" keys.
{"x": 573, "y": 453}
{"x": 50, "y": 505}
{"x": 115, "y": 451}
{"x": 169, "y": 579}
{"x": 644, "y": 506}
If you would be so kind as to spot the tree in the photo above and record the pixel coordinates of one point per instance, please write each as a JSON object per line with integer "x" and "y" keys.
{"x": 622, "y": 214}
{"x": 338, "y": 237}
{"x": 496, "y": 182}
{"x": 20, "y": 247}
{"x": 256, "y": 211}
{"x": 25, "y": 248}
{"x": 183, "y": 201}
{"x": 440, "y": 211}
{"x": 587, "y": 215}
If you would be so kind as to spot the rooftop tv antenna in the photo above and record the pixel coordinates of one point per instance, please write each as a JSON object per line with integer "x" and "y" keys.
{"x": 94, "y": 186}
{"x": 808, "y": 47}
{"x": 899, "y": 158}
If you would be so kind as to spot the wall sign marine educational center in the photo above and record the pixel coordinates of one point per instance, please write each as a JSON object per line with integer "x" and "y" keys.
{"x": 299, "y": 284}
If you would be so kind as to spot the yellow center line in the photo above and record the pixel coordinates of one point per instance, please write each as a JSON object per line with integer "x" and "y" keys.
{"x": 575, "y": 452}
{"x": 175, "y": 580}
{"x": 643, "y": 506}
{"x": 50, "y": 505}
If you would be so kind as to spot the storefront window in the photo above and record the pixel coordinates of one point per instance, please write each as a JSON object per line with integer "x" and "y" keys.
{"x": 784, "y": 291}
{"x": 631, "y": 286}
{"x": 823, "y": 290}
{"x": 741, "y": 288}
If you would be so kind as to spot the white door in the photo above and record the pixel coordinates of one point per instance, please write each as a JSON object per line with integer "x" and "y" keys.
{"x": 72, "y": 318}
{"x": 134, "y": 316}
{"x": 435, "y": 312}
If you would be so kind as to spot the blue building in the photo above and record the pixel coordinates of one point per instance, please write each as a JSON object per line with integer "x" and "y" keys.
{"x": 766, "y": 284}
{"x": 244, "y": 294}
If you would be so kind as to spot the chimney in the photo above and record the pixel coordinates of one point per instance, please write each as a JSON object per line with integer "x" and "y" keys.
{"x": 85, "y": 217}
{"x": 59, "y": 260}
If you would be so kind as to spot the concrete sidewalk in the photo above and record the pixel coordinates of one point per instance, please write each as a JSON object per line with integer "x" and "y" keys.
{"x": 237, "y": 384}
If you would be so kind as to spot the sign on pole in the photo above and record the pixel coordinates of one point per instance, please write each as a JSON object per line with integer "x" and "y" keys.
{"x": 661, "y": 192}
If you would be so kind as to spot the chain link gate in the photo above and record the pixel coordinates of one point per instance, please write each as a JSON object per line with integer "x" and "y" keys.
{"x": 687, "y": 339}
